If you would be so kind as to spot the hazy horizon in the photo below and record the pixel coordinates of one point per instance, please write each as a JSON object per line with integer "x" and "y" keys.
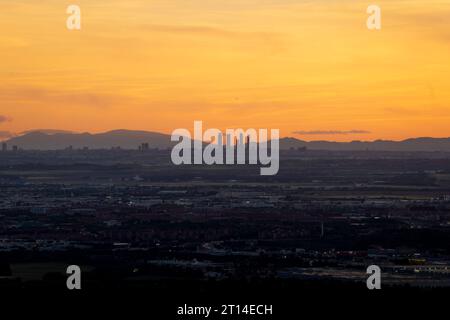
{"x": 286, "y": 136}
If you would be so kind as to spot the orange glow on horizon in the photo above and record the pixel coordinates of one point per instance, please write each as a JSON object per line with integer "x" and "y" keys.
{"x": 290, "y": 64}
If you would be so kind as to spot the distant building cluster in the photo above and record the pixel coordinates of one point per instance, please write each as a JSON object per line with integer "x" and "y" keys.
{"x": 5, "y": 147}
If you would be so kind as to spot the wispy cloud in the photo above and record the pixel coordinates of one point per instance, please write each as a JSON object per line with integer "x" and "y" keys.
{"x": 206, "y": 30}
{"x": 23, "y": 95}
{"x": 4, "y": 119}
{"x": 331, "y": 132}
{"x": 46, "y": 131}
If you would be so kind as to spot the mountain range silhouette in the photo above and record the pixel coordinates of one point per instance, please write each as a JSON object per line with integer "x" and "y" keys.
{"x": 132, "y": 139}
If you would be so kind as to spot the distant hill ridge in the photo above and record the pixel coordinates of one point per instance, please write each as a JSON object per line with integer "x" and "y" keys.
{"x": 131, "y": 139}
{"x": 126, "y": 139}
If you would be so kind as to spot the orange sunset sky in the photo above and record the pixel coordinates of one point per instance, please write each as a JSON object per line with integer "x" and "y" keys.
{"x": 296, "y": 65}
